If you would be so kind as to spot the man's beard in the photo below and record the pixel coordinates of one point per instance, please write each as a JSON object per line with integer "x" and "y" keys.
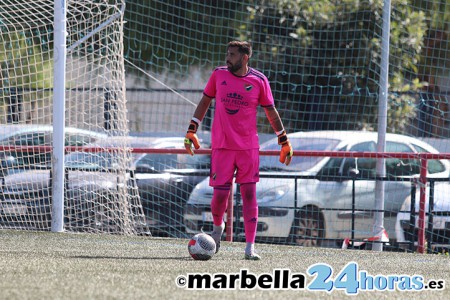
{"x": 234, "y": 68}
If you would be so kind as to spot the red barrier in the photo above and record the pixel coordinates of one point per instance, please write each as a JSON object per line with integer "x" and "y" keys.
{"x": 424, "y": 157}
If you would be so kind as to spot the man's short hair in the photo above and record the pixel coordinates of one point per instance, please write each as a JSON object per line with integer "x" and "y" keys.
{"x": 243, "y": 46}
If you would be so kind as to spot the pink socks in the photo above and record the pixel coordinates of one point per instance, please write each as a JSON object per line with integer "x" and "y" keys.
{"x": 249, "y": 210}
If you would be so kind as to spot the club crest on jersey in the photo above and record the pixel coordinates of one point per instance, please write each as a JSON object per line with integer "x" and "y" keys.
{"x": 248, "y": 87}
{"x": 231, "y": 111}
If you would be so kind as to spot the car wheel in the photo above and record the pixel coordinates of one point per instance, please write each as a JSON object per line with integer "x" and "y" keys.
{"x": 308, "y": 228}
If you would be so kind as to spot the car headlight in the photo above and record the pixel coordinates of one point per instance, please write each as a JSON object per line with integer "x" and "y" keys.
{"x": 272, "y": 194}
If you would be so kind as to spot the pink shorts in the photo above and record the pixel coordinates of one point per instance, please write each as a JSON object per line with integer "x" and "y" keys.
{"x": 224, "y": 163}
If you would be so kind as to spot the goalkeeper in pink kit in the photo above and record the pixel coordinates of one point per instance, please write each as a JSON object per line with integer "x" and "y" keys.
{"x": 238, "y": 90}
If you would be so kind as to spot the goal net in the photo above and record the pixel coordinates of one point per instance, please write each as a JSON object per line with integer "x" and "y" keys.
{"x": 323, "y": 60}
{"x": 100, "y": 193}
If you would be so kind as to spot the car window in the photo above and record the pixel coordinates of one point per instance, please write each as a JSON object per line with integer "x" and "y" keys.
{"x": 401, "y": 167}
{"x": 93, "y": 161}
{"x": 332, "y": 167}
{"x": 27, "y": 159}
{"x": 29, "y": 139}
{"x": 434, "y": 165}
{"x": 193, "y": 162}
{"x": 394, "y": 166}
{"x": 158, "y": 162}
{"x": 365, "y": 166}
{"x": 78, "y": 139}
{"x": 298, "y": 163}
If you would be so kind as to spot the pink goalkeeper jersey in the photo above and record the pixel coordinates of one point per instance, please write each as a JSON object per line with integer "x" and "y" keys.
{"x": 237, "y": 100}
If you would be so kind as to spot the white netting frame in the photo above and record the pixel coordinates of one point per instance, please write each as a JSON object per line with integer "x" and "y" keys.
{"x": 95, "y": 101}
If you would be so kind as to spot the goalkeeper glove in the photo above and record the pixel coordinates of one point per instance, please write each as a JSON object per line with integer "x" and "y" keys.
{"x": 286, "y": 149}
{"x": 191, "y": 138}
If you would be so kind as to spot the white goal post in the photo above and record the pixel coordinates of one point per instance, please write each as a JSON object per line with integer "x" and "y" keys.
{"x": 65, "y": 59}
{"x": 59, "y": 99}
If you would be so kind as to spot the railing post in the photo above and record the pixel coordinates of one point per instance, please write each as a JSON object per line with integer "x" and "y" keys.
{"x": 353, "y": 172}
{"x": 429, "y": 236}
{"x": 421, "y": 223}
{"x": 412, "y": 216}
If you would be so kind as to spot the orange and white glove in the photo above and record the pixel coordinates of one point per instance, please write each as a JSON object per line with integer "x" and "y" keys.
{"x": 191, "y": 138}
{"x": 286, "y": 149}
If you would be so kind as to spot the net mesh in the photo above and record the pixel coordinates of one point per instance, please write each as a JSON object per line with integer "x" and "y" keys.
{"x": 100, "y": 192}
{"x": 323, "y": 60}
{"x": 321, "y": 57}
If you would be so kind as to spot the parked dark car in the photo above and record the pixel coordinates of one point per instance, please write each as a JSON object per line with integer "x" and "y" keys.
{"x": 164, "y": 192}
{"x": 164, "y": 183}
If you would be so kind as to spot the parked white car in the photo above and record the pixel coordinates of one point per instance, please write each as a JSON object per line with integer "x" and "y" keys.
{"x": 438, "y": 235}
{"x": 323, "y": 209}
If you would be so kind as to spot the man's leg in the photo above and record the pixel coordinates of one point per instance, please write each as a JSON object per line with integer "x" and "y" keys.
{"x": 218, "y": 207}
{"x": 250, "y": 212}
{"x": 221, "y": 179}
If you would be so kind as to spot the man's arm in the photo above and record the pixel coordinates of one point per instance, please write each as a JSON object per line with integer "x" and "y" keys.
{"x": 275, "y": 121}
{"x": 202, "y": 107}
{"x": 191, "y": 135}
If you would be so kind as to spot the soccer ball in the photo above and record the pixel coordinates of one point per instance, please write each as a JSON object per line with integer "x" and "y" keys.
{"x": 202, "y": 246}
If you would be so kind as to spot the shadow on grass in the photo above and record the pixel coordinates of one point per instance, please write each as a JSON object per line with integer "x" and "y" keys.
{"x": 132, "y": 258}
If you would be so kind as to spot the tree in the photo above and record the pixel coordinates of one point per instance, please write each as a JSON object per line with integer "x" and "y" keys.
{"x": 25, "y": 54}
{"x": 174, "y": 35}
{"x": 323, "y": 57}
